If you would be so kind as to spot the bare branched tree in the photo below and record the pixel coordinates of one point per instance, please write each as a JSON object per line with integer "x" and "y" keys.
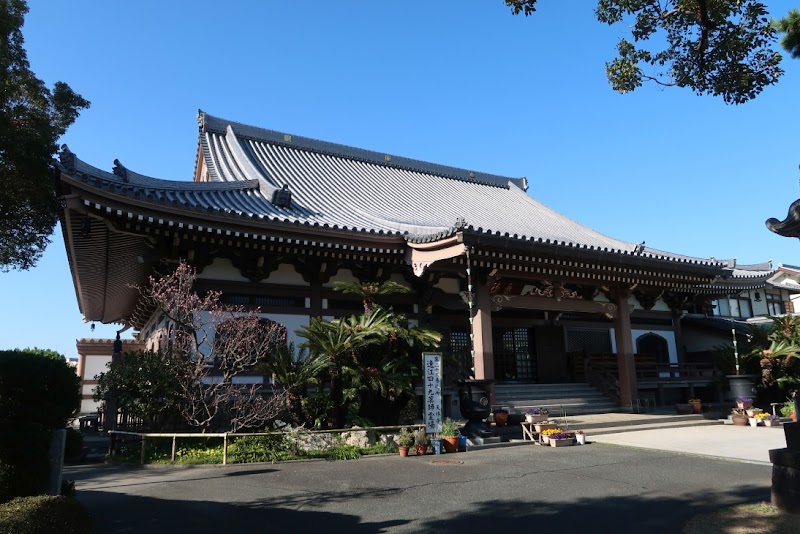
{"x": 218, "y": 343}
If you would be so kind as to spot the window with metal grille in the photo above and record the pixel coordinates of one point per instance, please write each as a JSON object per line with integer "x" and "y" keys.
{"x": 460, "y": 349}
{"x": 588, "y": 340}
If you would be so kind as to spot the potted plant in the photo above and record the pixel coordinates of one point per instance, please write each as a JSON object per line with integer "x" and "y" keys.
{"x": 544, "y": 425}
{"x": 739, "y": 417}
{"x": 697, "y": 405}
{"x": 536, "y": 415}
{"x": 450, "y": 435}
{"x": 421, "y": 442}
{"x": 770, "y": 420}
{"x": 683, "y": 408}
{"x": 405, "y": 440}
{"x": 743, "y": 403}
{"x": 752, "y": 412}
{"x": 548, "y": 432}
{"x": 580, "y": 437}
{"x": 500, "y": 417}
{"x": 787, "y": 410}
{"x": 560, "y": 439}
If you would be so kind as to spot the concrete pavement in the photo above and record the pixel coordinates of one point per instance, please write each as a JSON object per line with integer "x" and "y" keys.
{"x": 617, "y": 483}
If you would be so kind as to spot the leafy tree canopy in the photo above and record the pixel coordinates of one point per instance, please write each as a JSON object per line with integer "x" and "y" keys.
{"x": 717, "y": 47}
{"x": 789, "y": 26}
{"x": 32, "y": 118}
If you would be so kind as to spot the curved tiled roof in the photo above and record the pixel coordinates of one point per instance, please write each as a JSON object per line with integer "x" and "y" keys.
{"x": 349, "y": 188}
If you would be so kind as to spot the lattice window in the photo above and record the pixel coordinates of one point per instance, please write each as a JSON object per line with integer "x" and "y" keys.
{"x": 587, "y": 340}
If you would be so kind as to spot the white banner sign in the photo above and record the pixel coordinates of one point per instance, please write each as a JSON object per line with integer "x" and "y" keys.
{"x": 432, "y": 368}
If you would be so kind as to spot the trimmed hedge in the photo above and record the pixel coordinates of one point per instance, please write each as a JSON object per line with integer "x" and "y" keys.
{"x": 35, "y": 515}
{"x": 35, "y": 388}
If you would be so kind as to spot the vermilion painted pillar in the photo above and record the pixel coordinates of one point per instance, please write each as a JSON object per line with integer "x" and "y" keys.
{"x": 626, "y": 365}
{"x": 482, "y": 332}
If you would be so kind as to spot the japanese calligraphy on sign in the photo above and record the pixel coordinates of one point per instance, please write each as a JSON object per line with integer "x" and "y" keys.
{"x": 432, "y": 369}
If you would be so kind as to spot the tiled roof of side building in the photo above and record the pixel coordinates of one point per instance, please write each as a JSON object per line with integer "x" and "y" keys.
{"x": 351, "y": 188}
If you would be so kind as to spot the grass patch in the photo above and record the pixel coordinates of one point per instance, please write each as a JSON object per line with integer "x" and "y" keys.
{"x": 752, "y": 518}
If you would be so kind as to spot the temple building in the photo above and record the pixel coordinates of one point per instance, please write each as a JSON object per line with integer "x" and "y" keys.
{"x": 521, "y": 292}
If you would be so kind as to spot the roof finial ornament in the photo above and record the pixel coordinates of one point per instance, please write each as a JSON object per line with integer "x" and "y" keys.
{"x": 201, "y": 119}
{"x": 282, "y": 198}
{"x": 120, "y": 170}
{"x": 461, "y": 222}
{"x": 639, "y": 248}
{"x": 67, "y": 159}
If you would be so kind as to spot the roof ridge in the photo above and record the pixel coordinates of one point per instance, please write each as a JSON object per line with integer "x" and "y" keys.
{"x": 213, "y": 124}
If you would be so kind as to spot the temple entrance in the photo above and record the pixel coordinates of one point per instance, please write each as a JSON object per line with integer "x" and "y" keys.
{"x": 514, "y": 354}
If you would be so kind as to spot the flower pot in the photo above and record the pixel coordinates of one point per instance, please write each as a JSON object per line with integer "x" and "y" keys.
{"x": 771, "y": 422}
{"x": 753, "y": 421}
{"x": 697, "y": 407}
{"x": 462, "y": 443}
{"x": 437, "y": 445}
{"x": 581, "y": 438}
{"x": 500, "y": 418}
{"x": 422, "y": 450}
{"x": 683, "y": 409}
{"x": 752, "y": 412}
{"x": 739, "y": 420}
{"x": 565, "y": 442}
{"x": 403, "y": 451}
{"x": 544, "y": 426}
{"x": 545, "y": 439}
{"x": 530, "y": 418}
{"x": 450, "y": 443}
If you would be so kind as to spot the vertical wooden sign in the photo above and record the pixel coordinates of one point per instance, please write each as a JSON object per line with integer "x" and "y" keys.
{"x": 432, "y": 368}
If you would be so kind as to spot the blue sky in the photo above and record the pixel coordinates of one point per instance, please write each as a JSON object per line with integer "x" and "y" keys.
{"x": 471, "y": 87}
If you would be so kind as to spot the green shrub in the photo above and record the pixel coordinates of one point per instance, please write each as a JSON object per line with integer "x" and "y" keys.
{"x": 343, "y": 451}
{"x": 68, "y": 488}
{"x": 34, "y": 515}
{"x": 35, "y": 388}
{"x": 24, "y": 465}
{"x": 247, "y": 449}
{"x": 381, "y": 448}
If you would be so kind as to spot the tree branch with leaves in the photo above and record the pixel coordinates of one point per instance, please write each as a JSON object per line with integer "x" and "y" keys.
{"x": 715, "y": 47}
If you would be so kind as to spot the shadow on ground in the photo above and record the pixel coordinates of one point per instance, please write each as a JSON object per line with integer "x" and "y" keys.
{"x": 298, "y": 513}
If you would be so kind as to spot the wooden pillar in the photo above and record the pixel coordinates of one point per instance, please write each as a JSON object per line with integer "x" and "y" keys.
{"x": 625, "y": 363}
{"x": 482, "y": 334}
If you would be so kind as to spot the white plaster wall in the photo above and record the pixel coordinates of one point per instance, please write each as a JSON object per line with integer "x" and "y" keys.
{"x": 451, "y": 286}
{"x": 285, "y": 275}
{"x": 222, "y": 269}
{"x": 89, "y": 406}
{"x": 660, "y": 306}
{"x": 95, "y": 365}
{"x": 668, "y": 335}
{"x": 88, "y": 389}
{"x": 291, "y": 322}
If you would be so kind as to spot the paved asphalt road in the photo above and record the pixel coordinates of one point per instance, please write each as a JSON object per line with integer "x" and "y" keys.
{"x": 599, "y": 487}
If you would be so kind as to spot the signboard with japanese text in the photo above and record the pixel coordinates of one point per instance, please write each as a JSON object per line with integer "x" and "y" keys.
{"x": 432, "y": 369}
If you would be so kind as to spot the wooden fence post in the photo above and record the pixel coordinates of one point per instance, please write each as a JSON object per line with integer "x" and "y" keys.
{"x": 174, "y": 438}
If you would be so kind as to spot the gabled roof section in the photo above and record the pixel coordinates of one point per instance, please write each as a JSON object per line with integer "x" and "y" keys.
{"x": 350, "y": 188}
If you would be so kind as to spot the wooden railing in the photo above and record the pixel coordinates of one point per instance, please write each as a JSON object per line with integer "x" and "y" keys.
{"x": 680, "y": 372}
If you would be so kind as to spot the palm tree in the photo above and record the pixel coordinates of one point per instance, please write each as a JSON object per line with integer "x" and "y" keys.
{"x": 370, "y": 291}
{"x": 340, "y": 342}
{"x": 293, "y": 370}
